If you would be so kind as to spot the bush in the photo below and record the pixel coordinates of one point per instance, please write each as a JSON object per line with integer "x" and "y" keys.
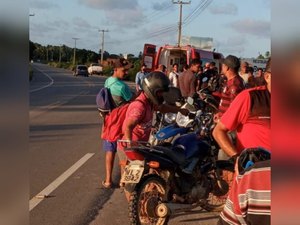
{"x": 107, "y": 71}
{"x": 133, "y": 71}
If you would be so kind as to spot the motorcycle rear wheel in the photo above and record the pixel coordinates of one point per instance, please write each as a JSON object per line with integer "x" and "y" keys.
{"x": 143, "y": 202}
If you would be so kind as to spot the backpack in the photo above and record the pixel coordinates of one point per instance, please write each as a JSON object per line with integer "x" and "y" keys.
{"x": 113, "y": 122}
{"x": 105, "y": 102}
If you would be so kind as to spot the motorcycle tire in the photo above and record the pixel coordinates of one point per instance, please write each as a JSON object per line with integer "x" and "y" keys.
{"x": 216, "y": 202}
{"x": 148, "y": 194}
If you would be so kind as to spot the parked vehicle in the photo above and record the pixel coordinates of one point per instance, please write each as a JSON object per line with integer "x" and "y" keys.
{"x": 81, "y": 70}
{"x": 161, "y": 120}
{"x": 182, "y": 55}
{"x": 95, "y": 68}
{"x": 164, "y": 180}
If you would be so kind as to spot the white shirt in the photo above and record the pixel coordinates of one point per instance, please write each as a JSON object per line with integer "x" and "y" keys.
{"x": 173, "y": 76}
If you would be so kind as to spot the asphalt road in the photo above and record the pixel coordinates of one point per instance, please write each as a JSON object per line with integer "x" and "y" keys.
{"x": 66, "y": 160}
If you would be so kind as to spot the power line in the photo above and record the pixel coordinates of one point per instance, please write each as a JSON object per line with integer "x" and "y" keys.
{"x": 197, "y": 11}
{"x": 166, "y": 29}
{"x": 154, "y": 13}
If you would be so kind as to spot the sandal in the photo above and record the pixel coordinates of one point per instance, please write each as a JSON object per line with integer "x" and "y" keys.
{"x": 122, "y": 185}
{"x": 106, "y": 186}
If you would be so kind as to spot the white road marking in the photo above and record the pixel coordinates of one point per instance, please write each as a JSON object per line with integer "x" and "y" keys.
{"x": 47, "y": 85}
{"x": 58, "y": 181}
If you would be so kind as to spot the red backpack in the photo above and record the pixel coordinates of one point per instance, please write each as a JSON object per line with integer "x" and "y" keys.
{"x": 113, "y": 122}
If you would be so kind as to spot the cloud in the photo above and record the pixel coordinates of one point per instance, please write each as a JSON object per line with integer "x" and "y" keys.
{"x": 42, "y": 5}
{"x": 130, "y": 18}
{"x": 232, "y": 45}
{"x": 125, "y": 13}
{"x": 81, "y": 23}
{"x": 228, "y": 9}
{"x": 110, "y": 4}
{"x": 257, "y": 28}
{"x": 162, "y": 6}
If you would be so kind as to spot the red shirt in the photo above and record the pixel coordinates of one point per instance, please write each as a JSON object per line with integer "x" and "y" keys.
{"x": 142, "y": 111}
{"x": 249, "y": 114}
{"x": 231, "y": 90}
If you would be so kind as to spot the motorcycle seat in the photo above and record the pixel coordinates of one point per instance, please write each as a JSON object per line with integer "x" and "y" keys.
{"x": 175, "y": 153}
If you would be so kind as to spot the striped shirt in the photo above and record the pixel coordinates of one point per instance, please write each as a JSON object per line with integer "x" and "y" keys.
{"x": 249, "y": 200}
{"x": 230, "y": 91}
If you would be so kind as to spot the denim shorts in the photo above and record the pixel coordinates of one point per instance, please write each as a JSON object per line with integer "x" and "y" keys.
{"x": 109, "y": 146}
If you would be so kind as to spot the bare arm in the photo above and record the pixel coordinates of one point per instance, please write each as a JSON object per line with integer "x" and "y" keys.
{"x": 165, "y": 108}
{"x": 221, "y": 136}
{"x": 129, "y": 126}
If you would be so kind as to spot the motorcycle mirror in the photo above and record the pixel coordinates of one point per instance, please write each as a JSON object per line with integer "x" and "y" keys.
{"x": 190, "y": 100}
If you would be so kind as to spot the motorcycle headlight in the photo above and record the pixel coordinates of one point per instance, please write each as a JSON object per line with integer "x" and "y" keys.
{"x": 170, "y": 117}
{"x": 182, "y": 121}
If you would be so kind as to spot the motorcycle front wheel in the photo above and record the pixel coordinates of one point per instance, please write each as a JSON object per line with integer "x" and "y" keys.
{"x": 216, "y": 199}
{"x": 144, "y": 200}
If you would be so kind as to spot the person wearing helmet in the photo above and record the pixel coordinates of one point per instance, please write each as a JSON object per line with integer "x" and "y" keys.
{"x": 249, "y": 201}
{"x": 138, "y": 120}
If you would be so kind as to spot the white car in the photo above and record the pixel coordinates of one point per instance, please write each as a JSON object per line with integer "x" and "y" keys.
{"x": 95, "y": 68}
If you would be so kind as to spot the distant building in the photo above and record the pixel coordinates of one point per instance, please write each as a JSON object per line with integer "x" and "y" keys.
{"x": 255, "y": 63}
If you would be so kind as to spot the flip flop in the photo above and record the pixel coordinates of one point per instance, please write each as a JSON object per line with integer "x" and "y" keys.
{"x": 106, "y": 186}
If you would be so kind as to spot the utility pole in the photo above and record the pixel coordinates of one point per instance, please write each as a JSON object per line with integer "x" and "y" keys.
{"x": 180, "y": 17}
{"x": 74, "y": 51}
{"x": 102, "y": 44}
{"x": 60, "y": 54}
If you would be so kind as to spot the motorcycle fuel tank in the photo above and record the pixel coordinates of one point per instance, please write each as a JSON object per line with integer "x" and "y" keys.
{"x": 170, "y": 131}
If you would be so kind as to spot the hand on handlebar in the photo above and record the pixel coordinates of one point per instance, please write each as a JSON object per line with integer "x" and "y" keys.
{"x": 184, "y": 112}
{"x": 217, "y": 117}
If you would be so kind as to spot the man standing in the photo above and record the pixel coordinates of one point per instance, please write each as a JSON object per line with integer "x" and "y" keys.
{"x": 249, "y": 114}
{"x": 121, "y": 93}
{"x": 259, "y": 78}
{"x": 173, "y": 76}
{"x": 233, "y": 86}
{"x": 187, "y": 80}
{"x": 244, "y": 72}
{"x": 139, "y": 78}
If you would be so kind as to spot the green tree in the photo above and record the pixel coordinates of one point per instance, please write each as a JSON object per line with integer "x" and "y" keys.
{"x": 267, "y": 54}
{"x": 260, "y": 56}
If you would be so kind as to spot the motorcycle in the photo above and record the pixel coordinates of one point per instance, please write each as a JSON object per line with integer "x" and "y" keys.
{"x": 200, "y": 111}
{"x": 164, "y": 180}
{"x": 161, "y": 120}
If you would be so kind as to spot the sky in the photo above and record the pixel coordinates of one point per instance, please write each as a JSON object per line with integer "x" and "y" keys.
{"x": 238, "y": 27}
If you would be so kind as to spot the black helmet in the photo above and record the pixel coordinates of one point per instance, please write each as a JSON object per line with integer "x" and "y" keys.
{"x": 154, "y": 84}
{"x": 250, "y": 156}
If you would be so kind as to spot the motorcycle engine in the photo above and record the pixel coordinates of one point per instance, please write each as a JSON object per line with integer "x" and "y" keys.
{"x": 199, "y": 191}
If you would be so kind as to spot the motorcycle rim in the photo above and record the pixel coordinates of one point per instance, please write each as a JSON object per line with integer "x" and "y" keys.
{"x": 143, "y": 202}
{"x": 216, "y": 202}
